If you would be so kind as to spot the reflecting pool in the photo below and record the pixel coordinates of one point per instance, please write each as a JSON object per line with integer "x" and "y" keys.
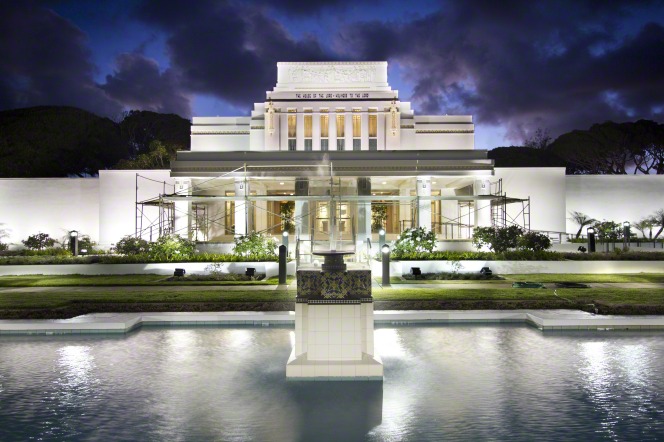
{"x": 441, "y": 383}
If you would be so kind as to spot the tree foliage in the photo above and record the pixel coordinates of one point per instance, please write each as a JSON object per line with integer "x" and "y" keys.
{"x": 582, "y": 220}
{"x": 378, "y": 216}
{"x": 39, "y": 241}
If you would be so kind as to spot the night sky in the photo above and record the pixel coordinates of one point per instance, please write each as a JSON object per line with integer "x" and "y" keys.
{"x": 515, "y": 65}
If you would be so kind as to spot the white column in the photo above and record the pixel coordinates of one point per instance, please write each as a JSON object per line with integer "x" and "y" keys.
{"x": 482, "y": 207}
{"x": 363, "y": 212}
{"x": 365, "y": 131}
{"x": 349, "y": 131}
{"x": 332, "y": 143}
{"x": 299, "y": 131}
{"x": 405, "y": 205}
{"x": 424, "y": 205}
{"x": 315, "y": 131}
{"x": 380, "y": 119}
{"x": 182, "y": 208}
{"x": 241, "y": 207}
{"x": 283, "y": 129}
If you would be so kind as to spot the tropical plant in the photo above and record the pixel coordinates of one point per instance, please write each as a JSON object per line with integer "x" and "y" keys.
{"x": 39, "y": 241}
{"x": 378, "y": 216}
{"x": 608, "y": 230}
{"x": 657, "y": 219}
{"x": 255, "y": 245}
{"x": 3, "y": 234}
{"x": 131, "y": 245}
{"x": 172, "y": 247}
{"x": 534, "y": 241}
{"x": 582, "y": 220}
{"x": 643, "y": 225}
{"x": 286, "y": 210}
{"x": 414, "y": 240}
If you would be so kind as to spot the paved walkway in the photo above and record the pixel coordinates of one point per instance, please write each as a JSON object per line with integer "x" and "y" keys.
{"x": 556, "y": 320}
{"x": 293, "y": 286}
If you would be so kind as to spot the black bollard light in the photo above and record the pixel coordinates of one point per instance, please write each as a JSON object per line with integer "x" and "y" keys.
{"x": 626, "y": 234}
{"x": 73, "y": 242}
{"x": 591, "y": 240}
{"x": 282, "y": 264}
{"x": 386, "y": 265}
{"x": 284, "y": 240}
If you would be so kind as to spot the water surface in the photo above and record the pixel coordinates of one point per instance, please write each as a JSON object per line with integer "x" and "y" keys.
{"x": 451, "y": 382}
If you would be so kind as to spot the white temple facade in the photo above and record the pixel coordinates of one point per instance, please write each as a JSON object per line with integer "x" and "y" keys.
{"x": 331, "y": 145}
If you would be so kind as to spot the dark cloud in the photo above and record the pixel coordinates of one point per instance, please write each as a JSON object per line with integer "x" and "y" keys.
{"x": 44, "y": 60}
{"x": 226, "y": 49}
{"x": 524, "y": 65}
{"x": 138, "y": 84}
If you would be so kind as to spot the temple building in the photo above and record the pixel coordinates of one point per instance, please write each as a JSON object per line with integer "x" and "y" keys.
{"x": 332, "y": 148}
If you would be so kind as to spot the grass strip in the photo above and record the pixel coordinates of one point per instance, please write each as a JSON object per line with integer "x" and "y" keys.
{"x": 117, "y": 281}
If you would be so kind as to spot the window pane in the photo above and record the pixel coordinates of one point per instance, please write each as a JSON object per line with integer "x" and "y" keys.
{"x": 373, "y": 144}
{"x": 340, "y": 144}
{"x": 291, "y": 144}
{"x": 341, "y": 132}
{"x": 357, "y": 144}
{"x": 373, "y": 125}
{"x": 308, "y": 120}
{"x": 324, "y": 145}
{"x": 308, "y": 143}
{"x": 324, "y": 126}
{"x": 357, "y": 126}
{"x": 292, "y": 125}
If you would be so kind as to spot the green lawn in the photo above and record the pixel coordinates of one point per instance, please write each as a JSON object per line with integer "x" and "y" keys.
{"x": 115, "y": 280}
{"x": 572, "y": 277}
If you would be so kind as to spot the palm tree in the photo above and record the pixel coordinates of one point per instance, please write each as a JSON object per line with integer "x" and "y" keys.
{"x": 658, "y": 220}
{"x": 643, "y": 225}
{"x": 582, "y": 220}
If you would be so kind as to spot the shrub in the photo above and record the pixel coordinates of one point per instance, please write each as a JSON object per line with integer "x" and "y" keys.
{"x": 171, "y": 248}
{"x": 3, "y": 247}
{"x": 38, "y": 241}
{"x": 50, "y": 251}
{"x": 417, "y": 240}
{"x": 130, "y": 245}
{"x": 534, "y": 241}
{"x": 255, "y": 247}
{"x": 498, "y": 239}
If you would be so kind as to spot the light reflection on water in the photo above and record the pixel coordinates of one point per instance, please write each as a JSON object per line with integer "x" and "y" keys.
{"x": 454, "y": 382}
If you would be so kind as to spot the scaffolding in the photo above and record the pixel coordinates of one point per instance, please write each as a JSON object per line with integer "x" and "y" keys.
{"x": 501, "y": 216}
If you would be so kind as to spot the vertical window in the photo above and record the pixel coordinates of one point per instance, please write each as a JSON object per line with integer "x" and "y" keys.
{"x": 292, "y": 132}
{"x": 308, "y": 126}
{"x": 324, "y": 131}
{"x": 357, "y": 132}
{"x": 373, "y": 132}
{"x": 341, "y": 132}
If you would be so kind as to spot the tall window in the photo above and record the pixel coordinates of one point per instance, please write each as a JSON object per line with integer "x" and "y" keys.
{"x": 341, "y": 131}
{"x": 324, "y": 131}
{"x": 357, "y": 132}
{"x": 292, "y": 132}
{"x": 308, "y": 123}
{"x": 373, "y": 132}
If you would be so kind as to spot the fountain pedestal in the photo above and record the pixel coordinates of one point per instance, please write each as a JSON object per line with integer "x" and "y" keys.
{"x": 334, "y": 324}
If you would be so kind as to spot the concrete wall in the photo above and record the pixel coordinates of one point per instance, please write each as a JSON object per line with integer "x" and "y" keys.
{"x": 49, "y": 205}
{"x": 613, "y": 197}
{"x": 546, "y": 187}
{"x": 117, "y": 196}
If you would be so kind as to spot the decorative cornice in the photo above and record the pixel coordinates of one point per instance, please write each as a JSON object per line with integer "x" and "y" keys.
{"x": 444, "y": 131}
{"x": 258, "y": 127}
{"x": 222, "y": 132}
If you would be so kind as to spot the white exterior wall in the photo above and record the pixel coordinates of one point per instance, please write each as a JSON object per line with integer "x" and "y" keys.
{"x": 546, "y": 188}
{"x": 117, "y": 196}
{"x": 48, "y": 205}
{"x": 613, "y": 197}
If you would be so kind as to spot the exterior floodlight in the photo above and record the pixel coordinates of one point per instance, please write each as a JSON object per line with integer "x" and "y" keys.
{"x": 73, "y": 234}
{"x": 626, "y": 224}
{"x": 386, "y": 265}
{"x": 591, "y": 240}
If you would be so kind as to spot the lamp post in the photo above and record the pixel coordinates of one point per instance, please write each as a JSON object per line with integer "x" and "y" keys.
{"x": 386, "y": 265}
{"x": 381, "y": 238}
{"x": 73, "y": 242}
{"x": 591, "y": 240}
{"x": 626, "y": 234}
{"x": 284, "y": 240}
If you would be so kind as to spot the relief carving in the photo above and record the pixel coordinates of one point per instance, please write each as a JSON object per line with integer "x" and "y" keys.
{"x": 332, "y": 74}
